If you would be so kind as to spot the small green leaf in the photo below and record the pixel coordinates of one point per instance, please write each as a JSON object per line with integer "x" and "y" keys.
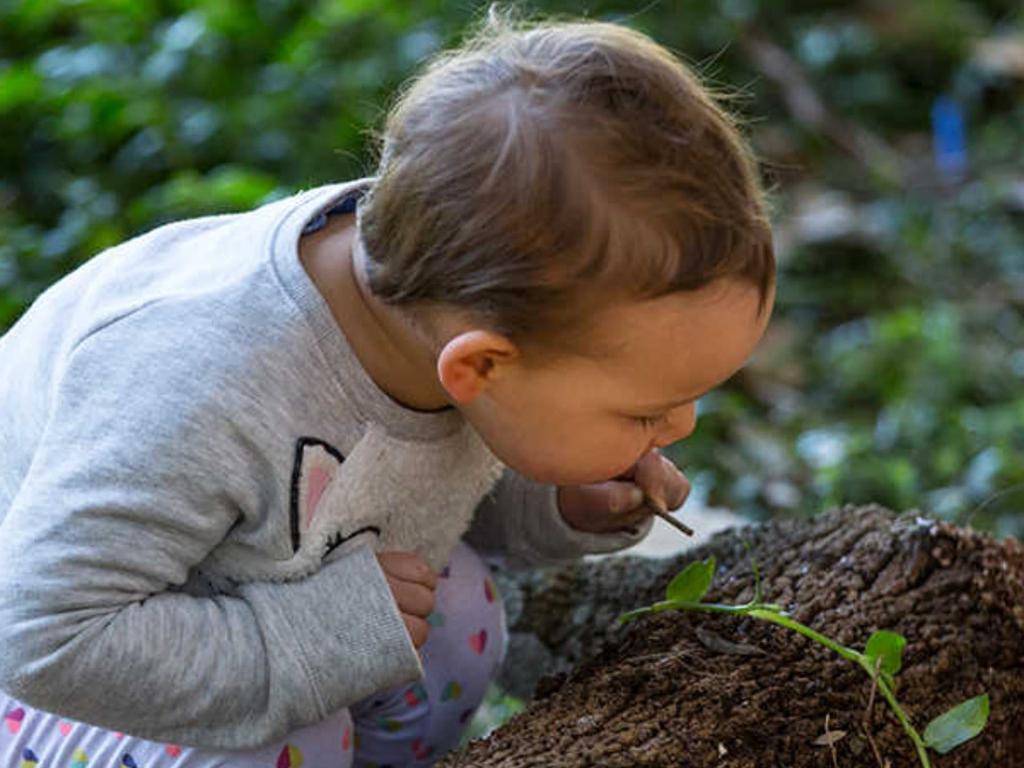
{"x": 957, "y": 725}
{"x": 887, "y": 646}
{"x": 692, "y": 583}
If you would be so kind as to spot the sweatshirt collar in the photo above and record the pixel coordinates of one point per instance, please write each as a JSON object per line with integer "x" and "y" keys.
{"x": 369, "y": 400}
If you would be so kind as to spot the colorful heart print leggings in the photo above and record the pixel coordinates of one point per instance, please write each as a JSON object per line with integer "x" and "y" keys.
{"x": 412, "y": 725}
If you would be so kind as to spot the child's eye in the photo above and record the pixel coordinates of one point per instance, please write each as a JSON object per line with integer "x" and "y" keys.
{"x": 649, "y": 422}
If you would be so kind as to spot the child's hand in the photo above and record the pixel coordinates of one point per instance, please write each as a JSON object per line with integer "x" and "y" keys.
{"x": 619, "y": 503}
{"x": 412, "y": 583}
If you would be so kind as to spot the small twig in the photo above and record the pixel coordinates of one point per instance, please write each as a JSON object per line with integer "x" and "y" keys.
{"x": 874, "y": 687}
{"x": 661, "y": 512}
{"x": 662, "y": 658}
{"x": 866, "y": 723}
{"x": 831, "y": 744}
{"x": 874, "y": 747}
{"x": 968, "y": 519}
{"x": 715, "y": 642}
{"x": 811, "y": 111}
{"x": 829, "y": 739}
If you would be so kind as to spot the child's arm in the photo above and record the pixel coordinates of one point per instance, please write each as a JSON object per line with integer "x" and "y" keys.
{"x": 520, "y": 520}
{"x": 139, "y": 474}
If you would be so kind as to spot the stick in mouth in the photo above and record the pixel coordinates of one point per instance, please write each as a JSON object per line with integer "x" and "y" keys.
{"x": 661, "y": 512}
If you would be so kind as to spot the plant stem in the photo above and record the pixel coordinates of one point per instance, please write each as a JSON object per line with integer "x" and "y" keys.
{"x": 862, "y": 661}
{"x": 785, "y": 621}
{"x": 773, "y": 613}
{"x": 919, "y": 745}
{"x": 676, "y": 605}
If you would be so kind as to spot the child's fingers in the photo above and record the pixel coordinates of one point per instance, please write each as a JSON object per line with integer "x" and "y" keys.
{"x": 417, "y": 628}
{"x": 661, "y": 480}
{"x": 635, "y": 517}
{"x": 679, "y": 488}
{"x": 675, "y": 486}
{"x": 413, "y": 599}
{"x": 612, "y": 497}
{"x": 620, "y": 498}
{"x": 602, "y": 507}
{"x": 408, "y": 566}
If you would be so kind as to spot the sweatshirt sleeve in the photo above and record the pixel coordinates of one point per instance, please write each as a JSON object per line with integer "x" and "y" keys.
{"x": 520, "y": 521}
{"x": 119, "y": 503}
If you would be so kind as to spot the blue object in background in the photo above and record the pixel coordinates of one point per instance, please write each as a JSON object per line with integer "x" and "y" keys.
{"x": 949, "y": 138}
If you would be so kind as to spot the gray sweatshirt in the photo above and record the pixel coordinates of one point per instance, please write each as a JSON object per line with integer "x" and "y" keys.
{"x": 196, "y": 475}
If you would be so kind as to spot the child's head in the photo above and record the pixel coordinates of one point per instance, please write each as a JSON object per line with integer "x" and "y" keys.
{"x": 539, "y": 178}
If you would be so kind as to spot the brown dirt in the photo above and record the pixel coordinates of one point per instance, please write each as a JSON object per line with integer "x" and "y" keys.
{"x": 664, "y": 693}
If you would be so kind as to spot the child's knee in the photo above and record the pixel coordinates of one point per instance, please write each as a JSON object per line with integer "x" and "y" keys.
{"x": 329, "y": 742}
{"x": 466, "y": 646}
{"x": 461, "y": 656}
{"x": 469, "y": 616}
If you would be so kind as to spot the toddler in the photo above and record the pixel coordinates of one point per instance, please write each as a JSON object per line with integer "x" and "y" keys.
{"x": 255, "y": 466}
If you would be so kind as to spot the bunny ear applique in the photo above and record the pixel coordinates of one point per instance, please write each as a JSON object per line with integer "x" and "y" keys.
{"x": 316, "y": 463}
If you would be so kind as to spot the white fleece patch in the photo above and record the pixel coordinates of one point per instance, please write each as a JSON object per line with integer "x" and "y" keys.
{"x": 420, "y": 496}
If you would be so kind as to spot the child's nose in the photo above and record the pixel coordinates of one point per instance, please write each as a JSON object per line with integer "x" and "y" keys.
{"x": 679, "y": 423}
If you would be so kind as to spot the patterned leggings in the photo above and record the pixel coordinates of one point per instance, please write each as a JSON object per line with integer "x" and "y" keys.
{"x": 412, "y": 725}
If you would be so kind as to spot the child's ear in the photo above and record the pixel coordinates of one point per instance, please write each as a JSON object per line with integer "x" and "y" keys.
{"x": 471, "y": 361}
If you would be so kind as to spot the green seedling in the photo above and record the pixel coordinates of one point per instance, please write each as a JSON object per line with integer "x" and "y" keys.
{"x": 881, "y": 659}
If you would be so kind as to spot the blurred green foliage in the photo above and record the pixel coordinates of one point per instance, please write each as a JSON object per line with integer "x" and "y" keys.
{"x": 895, "y": 368}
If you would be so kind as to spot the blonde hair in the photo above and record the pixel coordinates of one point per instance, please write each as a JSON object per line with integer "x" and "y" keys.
{"x": 541, "y": 169}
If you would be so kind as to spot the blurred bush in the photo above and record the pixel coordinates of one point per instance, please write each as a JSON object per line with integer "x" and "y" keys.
{"x": 892, "y": 134}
